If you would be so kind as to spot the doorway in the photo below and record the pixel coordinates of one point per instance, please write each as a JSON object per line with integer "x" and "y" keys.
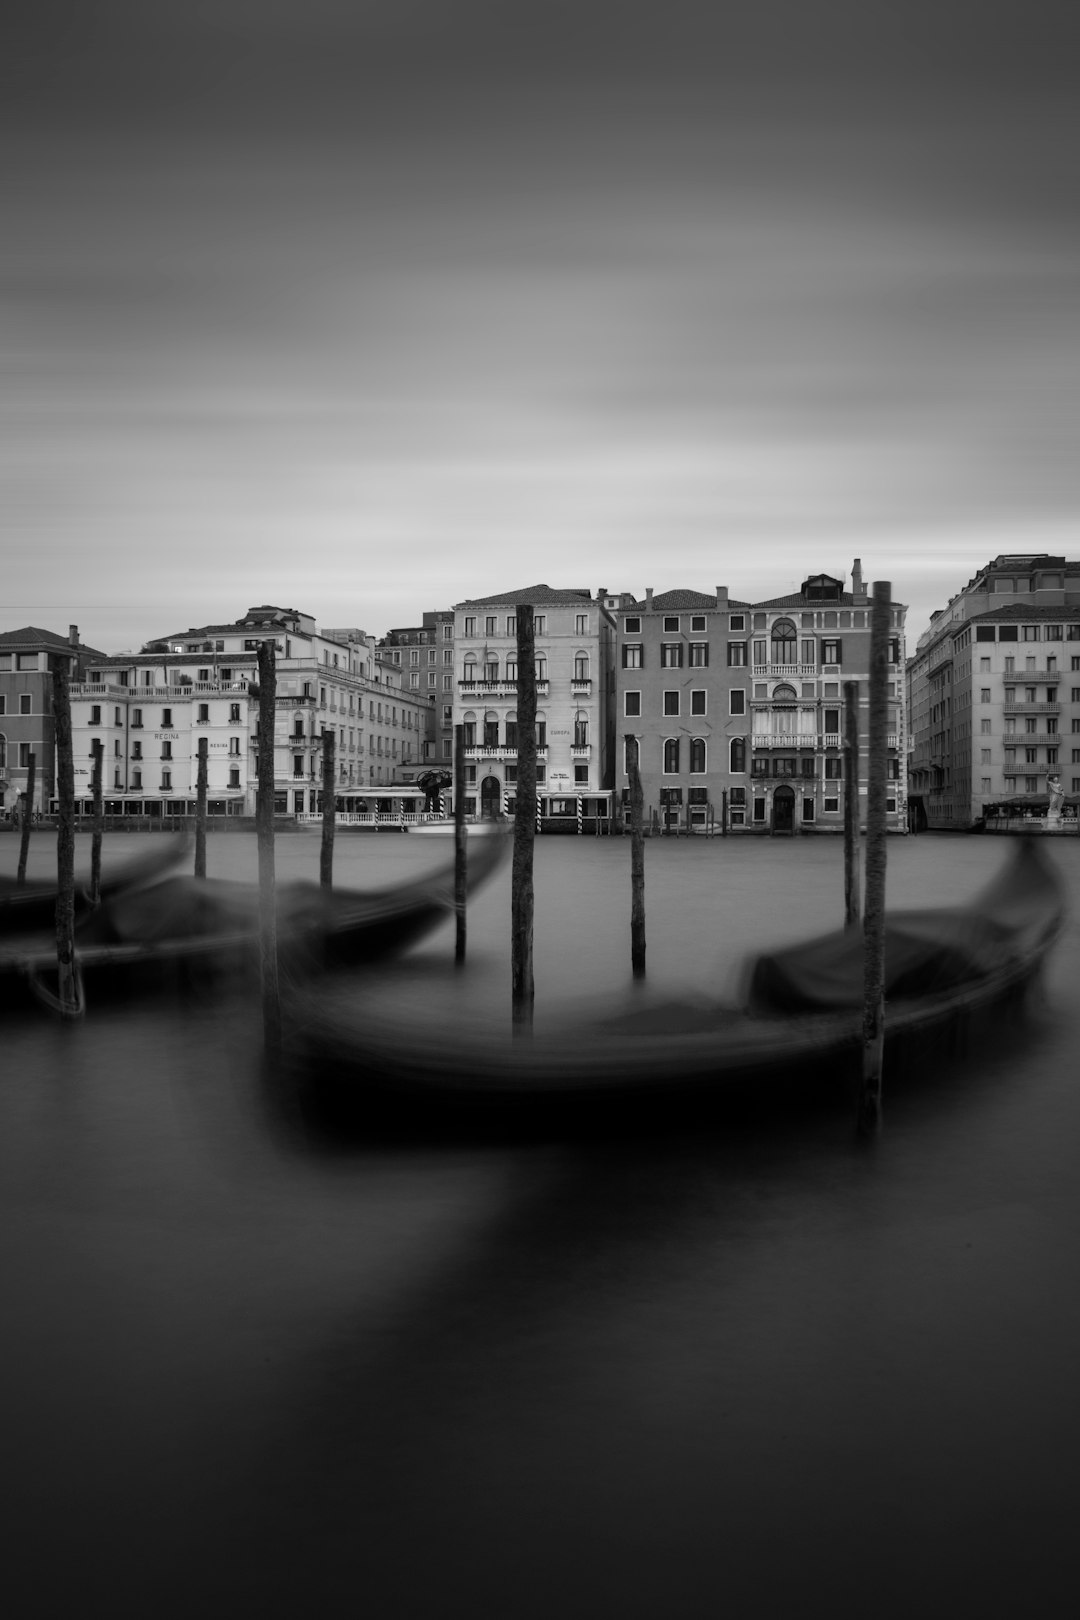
{"x": 784, "y": 810}
{"x": 490, "y": 797}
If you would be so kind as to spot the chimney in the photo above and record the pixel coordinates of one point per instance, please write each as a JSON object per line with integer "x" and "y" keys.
{"x": 601, "y": 592}
{"x": 858, "y": 590}
{"x": 721, "y": 596}
{"x": 648, "y": 598}
{"x": 73, "y": 635}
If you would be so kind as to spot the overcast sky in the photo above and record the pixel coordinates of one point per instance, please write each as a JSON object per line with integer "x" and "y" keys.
{"x": 368, "y": 306}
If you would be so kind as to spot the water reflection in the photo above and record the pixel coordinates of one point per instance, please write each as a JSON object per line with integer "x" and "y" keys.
{"x": 257, "y": 1372}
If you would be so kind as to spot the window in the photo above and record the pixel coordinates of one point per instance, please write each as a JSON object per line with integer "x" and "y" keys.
{"x": 166, "y": 779}
{"x": 136, "y": 779}
{"x": 633, "y": 655}
{"x": 166, "y": 750}
{"x": 834, "y": 767}
{"x": 234, "y": 713}
{"x": 671, "y": 702}
{"x": 738, "y": 621}
{"x": 1031, "y": 632}
{"x": 761, "y": 652}
{"x": 830, "y": 652}
{"x": 581, "y": 624}
{"x": 671, "y": 756}
{"x": 737, "y": 702}
{"x": 491, "y": 669}
{"x": 581, "y": 667}
{"x": 95, "y": 713}
{"x": 985, "y": 759}
{"x": 632, "y": 626}
{"x": 671, "y": 654}
{"x": 984, "y": 727}
{"x": 830, "y": 806}
{"x": 234, "y": 746}
{"x": 166, "y": 717}
{"x": 470, "y": 626}
{"x": 1051, "y": 694}
{"x": 540, "y": 624}
{"x": 489, "y": 625}
{"x": 631, "y": 703}
{"x": 697, "y": 701}
{"x": 783, "y": 642}
{"x": 541, "y": 667}
{"x": 541, "y": 734}
{"x": 3, "y": 703}
{"x": 414, "y": 678}
{"x": 699, "y": 654}
{"x": 894, "y": 652}
{"x": 984, "y": 694}
{"x": 24, "y": 755}
{"x": 581, "y": 776}
{"x": 204, "y": 714}
{"x": 136, "y": 749}
{"x": 736, "y": 653}
{"x": 737, "y": 755}
{"x": 984, "y": 666}
{"x": 697, "y": 756}
{"x": 697, "y": 622}
{"x": 234, "y": 776}
{"x": 671, "y": 624}
{"x": 759, "y": 809}
{"x": 448, "y": 631}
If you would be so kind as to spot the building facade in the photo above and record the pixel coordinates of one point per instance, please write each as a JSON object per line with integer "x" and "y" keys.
{"x": 424, "y": 657}
{"x": 575, "y": 648}
{"x": 739, "y": 705}
{"x": 150, "y": 711}
{"x": 28, "y": 658}
{"x": 994, "y": 693}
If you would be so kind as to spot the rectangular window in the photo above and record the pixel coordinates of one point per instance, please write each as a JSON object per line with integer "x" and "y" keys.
{"x": 633, "y": 655}
{"x": 671, "y": 654}
{"x": 489, "y": 625}
{"x": 1031, "y": 632}
{"x": 632, "y": 626}
{"x": 166, "y": 717}
{"x": 540, "y": 624}
{"x": 631, "y": 703}
{"x": 166, "y": 750}
{"x": 470, "y": 626}
{"x": 737, "y": 702}
{"x": 984, "y": 666}
{"x": 671, "y": 624}
{"x": 204, "y": 714}
{"x": 697, "y": 623}
{"x": 831, "y": 806}
{"x": 95, "y": 714}
{"x": 830, "y": 652}
{"x": 136, "y": 749}
{"x": 984, "y": 727}
{"x": 699, "y": 654}
{"x": 697, "y": 701}
{"x": 166, "y": 779}
{"x": 759, "y": 809}
{"x": 985, "y": 760}
{"x": 581, "y": 624}
{"x": 736, "y": 653}
{"x": 671, "y": 702}
{"x": 984, "y": 694}
{"x": 136, "y": 719}
{"x": 834, "y": 767}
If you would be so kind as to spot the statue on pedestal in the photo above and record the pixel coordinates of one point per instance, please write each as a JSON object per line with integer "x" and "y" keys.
{"x": 1057, "y": 800}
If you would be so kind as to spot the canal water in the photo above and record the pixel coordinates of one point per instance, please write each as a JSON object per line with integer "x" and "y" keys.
{"x": 759, "y": 1372}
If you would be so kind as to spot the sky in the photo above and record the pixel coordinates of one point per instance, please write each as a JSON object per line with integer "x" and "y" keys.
{"x": 365, "y": 307}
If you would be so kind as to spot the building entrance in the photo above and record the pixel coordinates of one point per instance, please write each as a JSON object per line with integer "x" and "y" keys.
{"x": 784, "y": 810}
{"x": 490, "y": 797}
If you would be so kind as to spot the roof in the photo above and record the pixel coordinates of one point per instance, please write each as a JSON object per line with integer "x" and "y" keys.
{"x": 33, "y": 636}
{"x": 535, "y": 595}
{"x": 669, "y": 601}
{"x": 1018, "y": 611}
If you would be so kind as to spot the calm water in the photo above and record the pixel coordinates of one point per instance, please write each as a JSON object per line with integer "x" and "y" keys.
{"x": 762, "y": 1374}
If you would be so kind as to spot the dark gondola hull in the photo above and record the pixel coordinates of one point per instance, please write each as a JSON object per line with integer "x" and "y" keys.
{"x": 356, "y": 1062}
{"x": 31, "y": 908}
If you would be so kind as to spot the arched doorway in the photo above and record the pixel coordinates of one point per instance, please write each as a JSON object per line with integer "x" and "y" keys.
{"x": 784, "y": 810}
{"x": 490, "y": 797}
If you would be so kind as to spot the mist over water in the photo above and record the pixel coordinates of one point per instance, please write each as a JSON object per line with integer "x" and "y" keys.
{"x": 764, "y": 1371}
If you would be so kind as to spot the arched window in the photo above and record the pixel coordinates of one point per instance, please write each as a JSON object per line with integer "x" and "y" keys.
{"x": 671, "y": 756}
{"x": 697, "y": 756}
{"x": 491, "y": 668}
{"x": 511, "y": 668}
{"x": 784, "y": 693}
{"x": 541, "y": 729}
{"x": 511, "y": 729}
{"x": 784, "y": 642}
{"x": 541, "y": 667}
{"x": 468, "y": 722}
{"x": 491, "y": 729}
{"x": 468, "y": 672}
{"x": 737, "y": 753}
{"x": 581, "y": 729}
{"x": 581, "y": 666}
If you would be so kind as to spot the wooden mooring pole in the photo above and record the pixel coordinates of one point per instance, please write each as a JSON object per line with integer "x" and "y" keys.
{"x": 868, "y": 1120}
{"x": 67, "y": 982}
{"x": 637, "y": 860}
{"x": 329, "y": 783}
{"x": 461, "y": 874}
{"x": 200, "y": 808}
{"x": 98, "y": 752}
{"x": 28, "y": 819}
{"x": 525, "y": 815}
{"x": 852, "y": 906}
{"x": 264, "y": 817}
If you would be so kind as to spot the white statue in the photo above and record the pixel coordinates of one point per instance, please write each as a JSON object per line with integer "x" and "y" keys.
{"x": 1057, "y": 800}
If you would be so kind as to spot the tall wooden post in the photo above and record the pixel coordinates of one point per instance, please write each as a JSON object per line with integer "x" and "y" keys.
{"x": 67, "y": 984}
{"x": 200, "y": 809}
{"x": 28, "y": 819}
{"x": 637, "y": 859}
{"x": 99, "y": 824}
{"x": 851, "y": 804}
{"x": 460, "y": 845}
{"x": 264, "y": 816}
{"x": 525, "y": 815}
{"x": 869, "y": 1109}
{"x": 724, "y": 813}
{"x": 329, "y": 783}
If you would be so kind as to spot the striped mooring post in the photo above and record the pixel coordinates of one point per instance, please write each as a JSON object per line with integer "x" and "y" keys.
{"x": 538, "y": 828}
{"x": 580, "y": 816}
{"x": 506, "y": 803}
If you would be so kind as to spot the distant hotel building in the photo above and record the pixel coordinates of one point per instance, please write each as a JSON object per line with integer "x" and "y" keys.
{"x": 745, "y": 700}
{"x": 994, "y": 692}
{"x": 150, "y": 711}
{"x": 423, "y": 655}
{"x": 28, "y": 658}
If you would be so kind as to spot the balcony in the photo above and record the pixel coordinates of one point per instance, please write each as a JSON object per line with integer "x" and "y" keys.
{"x": 783, "y": 671}
{"x": 581, "y": 688}
{"x": 501, "y": 688}
{"x": 1012, "y": 707}
{"x": 1029, "y": 770}
{"x": 500, "y": 751}
{"x": 581, "y": 751}
{"x": 799, "y": 740}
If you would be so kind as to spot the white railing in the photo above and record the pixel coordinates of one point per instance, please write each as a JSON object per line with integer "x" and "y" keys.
{"x": 778, "y": 671}
{"x": 381, "y": 818}
{"x": 793, "y": 740}
{"x": 580, "y": 750}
